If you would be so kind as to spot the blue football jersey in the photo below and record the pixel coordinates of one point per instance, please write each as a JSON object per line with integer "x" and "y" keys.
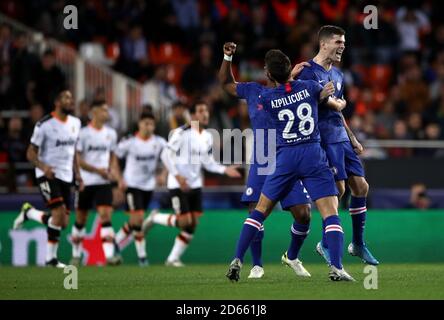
{"x": 293, "y": 111}
{"x": 251, "y": 92}
{"x": 331, "y": 127}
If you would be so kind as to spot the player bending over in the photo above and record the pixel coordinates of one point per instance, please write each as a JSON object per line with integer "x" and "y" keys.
{"x": 292, "y": 108}
{"x": 141, "y": 153}
{"x": 52, "y": 153}
{"x": 297, "y": 201}
{"x": 189, "y": 149}
{"x": 98, "y": 167}
{"x": 339, "y": 142}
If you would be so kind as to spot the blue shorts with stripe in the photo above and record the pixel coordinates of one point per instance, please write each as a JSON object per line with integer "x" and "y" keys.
{"x": 305, "y": 162}
{"x": 296, "y": 196}
{"x": 343, "y": 160}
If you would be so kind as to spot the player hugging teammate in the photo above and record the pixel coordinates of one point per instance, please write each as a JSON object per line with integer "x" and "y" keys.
{"x": 292, "y": 108}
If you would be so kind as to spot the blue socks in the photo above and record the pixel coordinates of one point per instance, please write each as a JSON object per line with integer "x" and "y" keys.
{"x": 298, "y": 234}
{"x": 252, "y": 226}
{"x": 335, "y": 240}
{"x": 324, "y": 239}
{"x": 256, "y": 248}
{"x": 358, "y": 212}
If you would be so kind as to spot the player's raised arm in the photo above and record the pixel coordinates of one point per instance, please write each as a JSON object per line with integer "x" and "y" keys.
{"x": 226, "y": 77}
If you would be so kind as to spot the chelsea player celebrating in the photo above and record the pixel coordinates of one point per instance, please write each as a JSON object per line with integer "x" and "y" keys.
{"x": 292, "y": 109}
{"x": 339, "y": 142}
{"x": 297, "y": 201}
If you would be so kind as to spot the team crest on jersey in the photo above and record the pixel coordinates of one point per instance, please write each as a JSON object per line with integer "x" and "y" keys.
{"x": 338, "y": 85}
{"x": 260, "y": 106}
{"x": 249, "y": 191}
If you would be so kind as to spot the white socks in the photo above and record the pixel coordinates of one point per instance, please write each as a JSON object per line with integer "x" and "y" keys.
{"x": 34, "y": 214}
{"x": 51, "y": 250}
{"x": 53, "y": 240}
{"x": 107, "y": 235}
{"x": 164, "y": 219}
{"x": 122, "y": 234}
{"x": 77, "y": 236}
{"x": 140, "y": 247}
{"x": 180, "y": 245}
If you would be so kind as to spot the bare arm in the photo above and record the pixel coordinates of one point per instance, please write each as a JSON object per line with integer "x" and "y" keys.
{"x": 226, "y": 77}
{"x": 115, "y": 170}
{"x": 32, "y": 154}
{"x": 77, "y": 176}
{"x": 335, "y": 103}
{"x": 357, "y": 146}
{"x": 168, "y": 157}
{"x": 162, "y": 176}
{"x": 87, "y": 167}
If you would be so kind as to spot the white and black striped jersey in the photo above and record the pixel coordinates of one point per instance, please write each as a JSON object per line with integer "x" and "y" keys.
{"x": 56, "y": 140}
{"x": 95, "y": 146}
{"x": 142, "y": 157}
{"x": 188, "y": 152}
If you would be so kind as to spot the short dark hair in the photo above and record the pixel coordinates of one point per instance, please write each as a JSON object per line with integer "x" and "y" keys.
{"x": 147, "y": 115}
{"x": 193, "y": 107}
{"x": 178, "y": 104}
{"x": 60, "y": 93}
{"x": 97, "y": 103}
{"x": 147, "y": 108}
{"x": 48, "y": 52}
{"x": 328, "y": 31}
{"x": 278, "y": 65}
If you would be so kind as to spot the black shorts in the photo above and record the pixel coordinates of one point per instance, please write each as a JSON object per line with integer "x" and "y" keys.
{"x": 137, "y": 199}
{"x": 55, "y": 192}
{"x": 99, "y": 195}
{"x": 186, "y": 202}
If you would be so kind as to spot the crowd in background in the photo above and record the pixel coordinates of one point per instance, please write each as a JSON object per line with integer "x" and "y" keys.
{"x": 394, "y": 75}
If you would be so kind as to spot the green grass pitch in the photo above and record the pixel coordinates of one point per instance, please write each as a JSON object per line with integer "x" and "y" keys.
{"x": 395, "y": 281}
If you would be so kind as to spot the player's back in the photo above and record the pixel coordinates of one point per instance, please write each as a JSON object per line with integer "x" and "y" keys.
{"x": 330, "y": 121}
{"x": 293, "y": 112}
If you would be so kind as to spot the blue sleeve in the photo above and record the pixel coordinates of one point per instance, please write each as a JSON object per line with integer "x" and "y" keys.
{"x": 316, "y": 88}
{"x": 246, "y": 89}
{"x": 307, "y": 74}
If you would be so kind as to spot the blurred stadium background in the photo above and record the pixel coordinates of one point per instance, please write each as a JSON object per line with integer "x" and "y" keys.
{"x": 160, "y": 55}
